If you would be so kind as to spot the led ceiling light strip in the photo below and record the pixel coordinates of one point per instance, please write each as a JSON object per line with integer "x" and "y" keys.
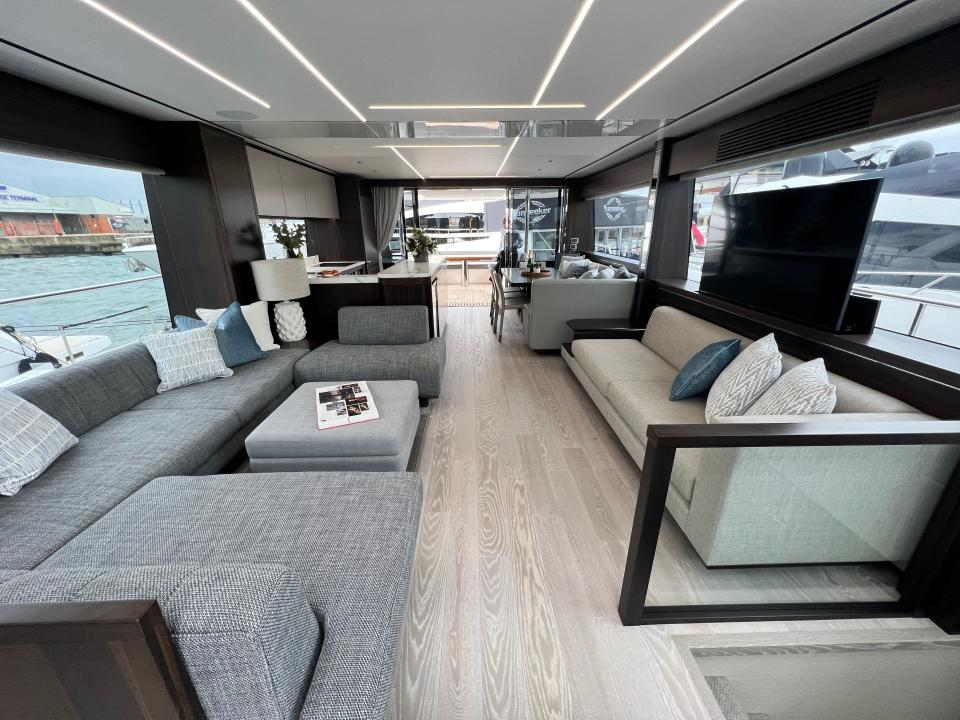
{"x": 507, "y": 106}
{"x": 147, "y": 35}
{"x": 440, "y": 147}
{"x": 562, "y": 50}
{"x": 507, "y": 156}
{"x": 409, "y": 164}
{"x": 674, "y": 54}
{"x": 292, "y": 49}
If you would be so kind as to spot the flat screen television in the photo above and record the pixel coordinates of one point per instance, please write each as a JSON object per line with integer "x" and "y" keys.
{"x": 791, "y": 252}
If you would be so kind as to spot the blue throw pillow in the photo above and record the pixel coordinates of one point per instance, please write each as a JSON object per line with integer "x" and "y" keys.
{"x": 700, "y": 371}
{"x": 234, "y": 336}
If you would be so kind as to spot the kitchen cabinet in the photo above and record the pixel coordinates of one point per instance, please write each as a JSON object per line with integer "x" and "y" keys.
{"x": 289, "y": 190}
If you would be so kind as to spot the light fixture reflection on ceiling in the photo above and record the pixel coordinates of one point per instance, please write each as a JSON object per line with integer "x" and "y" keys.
{"x": 562, "y": 50}
{"x": 163, "y": 44}
{"x": 507, "y": 156}
{"x": 674, "y": 54}
{"x": 498, "y": 106}
{"x": 408, "y": 163}
{"x": 292, "y": 49}
{"x": 415, "y": 146}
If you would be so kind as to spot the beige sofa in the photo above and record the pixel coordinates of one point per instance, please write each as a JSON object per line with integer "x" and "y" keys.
{"x": 553, "y": 301}
{"x": 757, "y": 506}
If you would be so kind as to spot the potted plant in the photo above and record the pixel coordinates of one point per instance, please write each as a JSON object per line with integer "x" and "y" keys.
{"x": 420, "y": 245}
{"x": 291, "y": 237}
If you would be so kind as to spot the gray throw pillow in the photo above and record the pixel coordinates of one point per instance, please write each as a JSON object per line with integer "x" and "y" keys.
{"x": 30, "y": 440}
{"x": 185, "y": 358}
{"x": 804, "y": 390}
{"x": 574, "y": 269}
{"x": 606, "y": 273}
{"x": 589, "y": 275}
{"x": 623, "y": 274}
{"x": 745, "y": 379}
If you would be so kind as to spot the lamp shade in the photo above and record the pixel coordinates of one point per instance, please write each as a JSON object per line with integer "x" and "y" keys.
{"x": 279, "y": 280}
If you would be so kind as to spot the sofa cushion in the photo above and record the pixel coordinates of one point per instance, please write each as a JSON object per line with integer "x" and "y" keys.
{"x": 333, "y": 362}
{"x": 30, "y": 440}
{"x": 350, "y": 537}
{"x": 235, "y": 339}
{"x": 804, "y": 390}
{"x": 252, "y": 387}
{"x": 700, "y": 371}
{"x": 648, "y": 403}
{"x": 83, "y": 395}
{"x": 745, "y": 379}
{"x": 257, "y": 318}
{"x": 606, "y": 361}
{"x": 383, "y": 325}
{"x": 186, "y": 358}
{"x": 111, "y": 462}
{"x": 245, "y": 633}
{"x": 676, "y": 336}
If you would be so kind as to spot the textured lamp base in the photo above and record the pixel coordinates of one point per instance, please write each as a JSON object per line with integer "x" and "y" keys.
{"x": 290, "y": 323}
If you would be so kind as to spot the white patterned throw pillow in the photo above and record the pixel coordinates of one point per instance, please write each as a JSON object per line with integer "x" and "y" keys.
{"x": 30, "y": 440}
{"x": 805, "y": 390}
{"x": 185, "y": 358}
{"x": 745, "y": 379}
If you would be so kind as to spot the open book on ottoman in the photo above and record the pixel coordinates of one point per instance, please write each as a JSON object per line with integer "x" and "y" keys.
{"x": 345, "y": 404}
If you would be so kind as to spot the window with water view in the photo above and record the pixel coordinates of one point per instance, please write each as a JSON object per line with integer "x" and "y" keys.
{"x": 78, "y": 266}
{"x": 911, "y": 258}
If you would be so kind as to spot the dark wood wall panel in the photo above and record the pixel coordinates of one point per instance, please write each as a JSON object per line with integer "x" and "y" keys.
{"x": 917, "y": 79}
{"x": 51, "y": 123}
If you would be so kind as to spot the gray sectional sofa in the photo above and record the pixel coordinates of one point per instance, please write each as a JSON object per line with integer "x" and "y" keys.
{"x": 284, "y": 593}
{"x": 379, "y": 343}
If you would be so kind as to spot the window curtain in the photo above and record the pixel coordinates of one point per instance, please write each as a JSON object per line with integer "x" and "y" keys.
{"x": 387, "y": 203}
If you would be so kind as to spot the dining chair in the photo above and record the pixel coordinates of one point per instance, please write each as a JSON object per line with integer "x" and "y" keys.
{"x": 498, "y": 280}
{"x": 506, "y": 301}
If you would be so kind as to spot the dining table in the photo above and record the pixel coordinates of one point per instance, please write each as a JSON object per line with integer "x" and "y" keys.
{"x": 516, "y": 279}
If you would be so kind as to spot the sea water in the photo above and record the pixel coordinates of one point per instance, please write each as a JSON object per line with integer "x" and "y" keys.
{"x": 30, "y": 276}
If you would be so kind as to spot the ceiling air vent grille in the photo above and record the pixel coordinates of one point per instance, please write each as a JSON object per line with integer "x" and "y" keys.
{"x": 828, "y": 116}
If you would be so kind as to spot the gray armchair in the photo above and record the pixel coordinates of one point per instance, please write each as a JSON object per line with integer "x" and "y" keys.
{"x": 379, "y": 342}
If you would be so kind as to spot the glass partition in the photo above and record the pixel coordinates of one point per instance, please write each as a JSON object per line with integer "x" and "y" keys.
{"x": 619, "y": 222}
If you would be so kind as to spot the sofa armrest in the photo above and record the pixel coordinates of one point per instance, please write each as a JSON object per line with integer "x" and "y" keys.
{"x": 245, "y": 633}
{"x": 663, "y": 441}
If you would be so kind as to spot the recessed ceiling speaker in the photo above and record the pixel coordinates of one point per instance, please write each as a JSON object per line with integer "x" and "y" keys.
{"x": 237, "y": 115}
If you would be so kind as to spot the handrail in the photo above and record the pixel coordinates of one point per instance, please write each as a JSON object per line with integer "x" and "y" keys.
{"x": 907, "y": 296}
{"x": 70, "y": 291}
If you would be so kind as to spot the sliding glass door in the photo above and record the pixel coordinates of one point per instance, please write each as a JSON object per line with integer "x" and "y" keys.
{"x": 536, "y": 220}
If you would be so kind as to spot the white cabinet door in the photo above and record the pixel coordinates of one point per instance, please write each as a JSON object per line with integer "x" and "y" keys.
{"x": 294, "y": 179}
{"x": 321, "y": 195}
{"x": 267, "y": 187}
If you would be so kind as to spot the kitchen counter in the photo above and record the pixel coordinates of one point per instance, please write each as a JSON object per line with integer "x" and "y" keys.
{"x": 412, "y": 269}
{"x": 343, "y": 280}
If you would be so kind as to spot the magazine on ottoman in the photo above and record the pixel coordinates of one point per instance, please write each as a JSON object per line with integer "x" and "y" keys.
{"x": 345, "y": 404}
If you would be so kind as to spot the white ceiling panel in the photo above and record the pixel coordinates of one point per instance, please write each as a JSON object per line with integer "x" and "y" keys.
{"x": 446, "y": 52}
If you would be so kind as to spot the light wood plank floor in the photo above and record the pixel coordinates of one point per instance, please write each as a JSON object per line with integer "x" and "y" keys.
{"x": 528, "y": 501}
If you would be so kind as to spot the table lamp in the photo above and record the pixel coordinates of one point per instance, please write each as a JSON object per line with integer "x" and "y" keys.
{"x": 282, "y": 282}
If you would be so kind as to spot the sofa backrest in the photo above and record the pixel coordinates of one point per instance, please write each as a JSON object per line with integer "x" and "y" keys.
{"x": 383, "y": 325}
{"x": 676, "y": 336}
{"x": 93, "y": 390}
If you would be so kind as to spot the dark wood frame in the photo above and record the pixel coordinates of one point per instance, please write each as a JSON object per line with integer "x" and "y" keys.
{"x": 105, "y": 660}
{"x": 663, "y": 441}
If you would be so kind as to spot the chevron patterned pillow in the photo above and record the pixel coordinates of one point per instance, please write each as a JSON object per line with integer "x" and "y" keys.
{"x": 744, "y": 380}
{"x": 805, "y": 390}
{"x": 30, "y": 440}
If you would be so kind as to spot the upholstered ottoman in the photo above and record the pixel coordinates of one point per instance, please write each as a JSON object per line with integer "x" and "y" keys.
{"x": 289, "y": 440}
